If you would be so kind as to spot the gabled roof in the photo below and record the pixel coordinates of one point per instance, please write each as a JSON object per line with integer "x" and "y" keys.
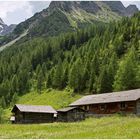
{"x": 131, "y": 95}
{"x": 66, "y": 109}
{"x": 34, "y": 108}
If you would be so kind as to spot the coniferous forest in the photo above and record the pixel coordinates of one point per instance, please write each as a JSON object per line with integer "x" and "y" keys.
{"x": 98, "y": 59}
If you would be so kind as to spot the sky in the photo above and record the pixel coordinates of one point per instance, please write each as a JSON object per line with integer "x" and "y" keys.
{"x": 16, "y": 11}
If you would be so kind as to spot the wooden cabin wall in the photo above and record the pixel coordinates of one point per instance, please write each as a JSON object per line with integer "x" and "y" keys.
{"x": 62, "y": 117}
{"x": 38, "y": 117}
{"x": 28, "y": 117}
{"x": 18, "y": 116}
{"x": 138, "y": 107}
{"x": 71, "y": 116}
{"x": 111, "y": 108}
{"x": 76, "y": 115}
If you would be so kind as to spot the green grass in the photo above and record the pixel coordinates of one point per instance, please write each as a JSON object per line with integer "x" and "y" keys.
{"x": 106, "y": 127}
{"x": 55, "y": 98}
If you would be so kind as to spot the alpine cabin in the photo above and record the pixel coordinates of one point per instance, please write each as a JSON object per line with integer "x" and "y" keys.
{"x": 126, "y": 102}
{"x": 70, "y": 114}
{"x": 32, "y": 114}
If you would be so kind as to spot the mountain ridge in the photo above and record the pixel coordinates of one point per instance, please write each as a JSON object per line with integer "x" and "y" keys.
{"x": 67, "y": 16}
{"x": 5, "y": 29}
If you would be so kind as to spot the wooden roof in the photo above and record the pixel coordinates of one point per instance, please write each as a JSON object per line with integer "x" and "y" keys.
{"x": 131, "y": 95}
{"x": 34, "y": 108}
{"x": 66, "y": 109}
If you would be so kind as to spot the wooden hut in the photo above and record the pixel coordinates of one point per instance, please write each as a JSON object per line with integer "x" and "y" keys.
{"x": 70, "y": 114}
{"x": 33, "y": 114}
{"x": 109, "y": 103}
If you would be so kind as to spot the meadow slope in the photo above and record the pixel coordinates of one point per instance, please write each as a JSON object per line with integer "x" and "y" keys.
{"x": 106, "y": 127}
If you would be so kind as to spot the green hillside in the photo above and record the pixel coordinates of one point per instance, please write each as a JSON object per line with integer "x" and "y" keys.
{"x": 106, "y": 127}
{"x": 97, "y": 59}
{"x": 57, "y": 99}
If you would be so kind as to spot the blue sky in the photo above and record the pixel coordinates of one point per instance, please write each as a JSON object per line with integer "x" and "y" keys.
{"x": 14, "y": 12}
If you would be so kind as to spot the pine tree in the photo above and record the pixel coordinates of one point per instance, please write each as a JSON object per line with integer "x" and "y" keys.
{"x": 103, "y": 79}
{"x": 14, "y": 84}
{"x": 57, "y": 79}
{"x": 49, "y": 81}
{"x": 111, "y": 71}
{"x": 14, "y": 99}
{"x": 92, "y": 81}
{"x": 1, "y": 114}
{"x": 126, "y": 75}
{"x": 75, "y": 76}
{"x": 65, "y": 78}
{"x": 40, "y": 80}
{"x": 3, "y": 102}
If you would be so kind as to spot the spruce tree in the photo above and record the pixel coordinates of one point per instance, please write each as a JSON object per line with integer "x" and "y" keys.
{"x": 126, "y": 75}
{"x": 3, "y": 102}
{"x": 57, "y": 78}
{"x": 40, "y": 80}
{"x": 1, "y": 114}
{"x": 75, "y": 76}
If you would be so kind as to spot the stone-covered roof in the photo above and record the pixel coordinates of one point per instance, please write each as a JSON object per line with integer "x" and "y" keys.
{"x": 130, "y": 95}
{"x": 66, "y": 109}
{"x": 34, "y": 108}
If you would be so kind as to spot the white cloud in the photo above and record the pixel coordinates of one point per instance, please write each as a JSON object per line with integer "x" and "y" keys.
{"x": 14, "y": 7}
{"x": 127, "y": 3}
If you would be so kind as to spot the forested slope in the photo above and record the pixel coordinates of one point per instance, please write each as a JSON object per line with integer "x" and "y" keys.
{"x": 98, "y": 59}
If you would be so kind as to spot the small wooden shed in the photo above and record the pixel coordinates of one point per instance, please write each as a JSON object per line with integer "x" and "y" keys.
{"x": 32, "y": 114}
{"x": 70, "y": 114}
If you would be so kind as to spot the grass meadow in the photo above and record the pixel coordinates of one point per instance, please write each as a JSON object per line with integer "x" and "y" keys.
{"x": 105, "y": 127}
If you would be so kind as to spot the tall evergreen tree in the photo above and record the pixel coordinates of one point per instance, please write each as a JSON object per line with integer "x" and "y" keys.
{"x": 126, "y": 75}
{"x": 1, "y": 114}
{"x": 3, "y": 102}
{"x": 75, "y": 76}
{"x": 40, "y": 80}
{"x": 57, "y": 79}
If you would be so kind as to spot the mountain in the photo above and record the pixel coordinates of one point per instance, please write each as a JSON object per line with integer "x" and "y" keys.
{"x": 67, "y": 16}
{"x": 118, "y": 7}
{"x": 131, "y": 9}
{"x": 73, "y": 15}
{"x": 5, "y": 29}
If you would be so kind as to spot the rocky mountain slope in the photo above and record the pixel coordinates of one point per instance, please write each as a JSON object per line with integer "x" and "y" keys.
{"x": 74, "y": 14}
{"x": 67, "y": 16}
{"x": 5, "y": 29}
{"x": 118, "y": 7}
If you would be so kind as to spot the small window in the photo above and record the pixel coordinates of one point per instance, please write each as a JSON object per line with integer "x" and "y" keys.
{"x": 102, "y": 107}
{"x": 123, "y": 105}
